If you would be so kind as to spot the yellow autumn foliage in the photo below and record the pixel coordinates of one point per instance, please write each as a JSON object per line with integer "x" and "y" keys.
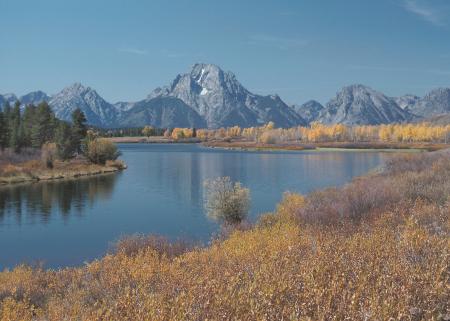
{"x": 317, "y": 132}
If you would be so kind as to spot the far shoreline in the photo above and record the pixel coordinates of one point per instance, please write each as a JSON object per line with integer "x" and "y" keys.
{"x": 255, "y": 146}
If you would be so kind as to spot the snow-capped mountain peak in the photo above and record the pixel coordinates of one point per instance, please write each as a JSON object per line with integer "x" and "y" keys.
{"x": 222, "y": 100}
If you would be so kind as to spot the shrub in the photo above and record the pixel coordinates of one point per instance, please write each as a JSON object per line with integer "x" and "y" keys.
{"x": 288, "y": 206}
{"x": 134, "y": 244}
{"x": 148, "y": 131}
{"x": 225, "y": 201}
{"x": 269, "y": 137}
{"x": 119, "y": 164}
{"x": 9, "y": 170}
{"x": 362, "y": 198}
{"x": 101, "y": 150}
{"x": 167, "y": 133}
{"x": 49, "y": 152}
{"x": 267, "y": 220}
{"x": 8, "y": 156}
{"x": 178, "y": 133}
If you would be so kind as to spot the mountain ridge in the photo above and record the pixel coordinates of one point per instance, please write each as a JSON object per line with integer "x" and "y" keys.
{"x": 361, "y": 105}
{"x": 223, "y": 101}
{"x": 207, "y": 96}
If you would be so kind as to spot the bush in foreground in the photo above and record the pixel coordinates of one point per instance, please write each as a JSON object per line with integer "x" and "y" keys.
{"x": 225, "y": 201}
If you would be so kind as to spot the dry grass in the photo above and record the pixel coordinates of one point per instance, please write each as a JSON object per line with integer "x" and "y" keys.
{"x": 150, "y": 140}
{"x": 7, "y": 156}
{"x": 274, "y": 145}
{"x": 134, "y": 244}
{"x": 29, "y": 168}
{"x": 250, "y": 145}
{"x": 385, "y": 256}
{"x": 383, "y": 145}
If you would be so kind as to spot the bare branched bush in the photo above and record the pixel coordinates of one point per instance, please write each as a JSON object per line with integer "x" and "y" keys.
{"x": 132, "y": 245}
{"x": 225, "y": 201}
{"x": 101, "y": 150}
{"x": 48, "y": 154}
{"x": 405, "y": 179}
{"x": 8, "y": 156}
{"x": 119, "y": 164}
{"x": 269, "y": 137}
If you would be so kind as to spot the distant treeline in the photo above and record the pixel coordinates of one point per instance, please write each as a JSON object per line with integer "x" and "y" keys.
{"x": 128, "y": 132}
{"x": 317, "y": 132}
{"x": 148, "y": 131}
{"x": 36, "y": 126}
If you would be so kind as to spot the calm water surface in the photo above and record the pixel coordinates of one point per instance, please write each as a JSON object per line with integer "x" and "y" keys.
{"x": 65, "y": 223}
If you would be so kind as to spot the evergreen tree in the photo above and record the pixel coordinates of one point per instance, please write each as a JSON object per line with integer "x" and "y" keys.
{"x": 79, "y": 129}
{"x": 14, "y": 128}
{"x": 3, "y": 131}
{"x": 7, "y": 116}
{"x": 28, "y": 119}
{"x": 64, "y": 144}
{"x": 43, "y": 125}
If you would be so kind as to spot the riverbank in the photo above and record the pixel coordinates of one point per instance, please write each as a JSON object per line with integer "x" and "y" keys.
{"x": 152, "y": 140}
{"x": 34, "y": 170}
{"x": 247, "y": 145}
{"x": 377, "y": 247}
{"x": 240, "y": 144}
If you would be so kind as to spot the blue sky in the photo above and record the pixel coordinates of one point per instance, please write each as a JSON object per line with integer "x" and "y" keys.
{"x": 299, "y": 49}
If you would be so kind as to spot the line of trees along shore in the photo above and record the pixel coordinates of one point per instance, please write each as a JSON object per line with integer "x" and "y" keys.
{"x": 37, "y": 125}
{"x": 38, "y": 128}
{"x": 315, "y": 133}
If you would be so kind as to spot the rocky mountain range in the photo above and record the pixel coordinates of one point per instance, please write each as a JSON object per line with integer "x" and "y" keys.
{"x": 207, "y": 96}
{"x": 436, "y": 102}
{"x": 310, "y": 111}
{"x": 361, "y": 105}
{"x": 162, "y": 112}
{"x": 221, "y": 100}
{"x": 7, "y": 98}
{"x": 98, "y": 111}
{"x": 406, "y": 100}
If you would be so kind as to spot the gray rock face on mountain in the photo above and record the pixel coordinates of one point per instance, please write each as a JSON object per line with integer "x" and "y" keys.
{"x": 310, "y": 110}
{"x": 361, "y": 105}
{"x": 406, "y": 101}
{"x": 436, "y": 102}
{"x": 98, "y": 112}
{"x": 123, "y": 106}
{"x": 162, "y": 112}
{"x": 221, "y": 100}
{"x": 34, "y": 98}
{"x": 442, "y": 119}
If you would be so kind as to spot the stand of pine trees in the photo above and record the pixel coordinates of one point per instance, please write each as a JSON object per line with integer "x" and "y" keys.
{"x": 37, "y": 125}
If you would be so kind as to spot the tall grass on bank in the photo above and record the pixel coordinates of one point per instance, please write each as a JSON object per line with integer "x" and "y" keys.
{"x": 375, "y": 249}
